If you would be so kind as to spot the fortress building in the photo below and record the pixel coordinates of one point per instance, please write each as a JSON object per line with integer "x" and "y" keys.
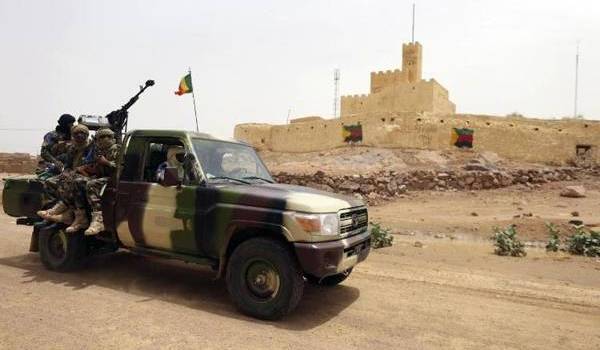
{"x": 401, "y": 90}
{"x": 404, "y": 111}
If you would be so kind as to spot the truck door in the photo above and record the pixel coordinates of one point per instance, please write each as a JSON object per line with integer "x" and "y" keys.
{"x": 157, "y": 217}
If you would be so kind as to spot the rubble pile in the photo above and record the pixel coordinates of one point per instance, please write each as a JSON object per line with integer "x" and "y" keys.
{"x": 387, "y": 184}
{"x": 22, "y": 163}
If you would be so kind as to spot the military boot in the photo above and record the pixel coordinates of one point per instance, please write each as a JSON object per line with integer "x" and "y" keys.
{"x": 65, "y": 217}
{"x": 58, "y": 208}
{"x": 81, "y": 221}
{"x": 97, "y": 224}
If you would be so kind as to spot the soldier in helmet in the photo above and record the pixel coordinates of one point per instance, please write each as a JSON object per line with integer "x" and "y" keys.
{"x": 106, "y": 154}
{"x": 70, "y": 202}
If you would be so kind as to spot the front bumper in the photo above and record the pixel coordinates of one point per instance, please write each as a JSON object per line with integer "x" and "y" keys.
{"x": 329, "y": 258}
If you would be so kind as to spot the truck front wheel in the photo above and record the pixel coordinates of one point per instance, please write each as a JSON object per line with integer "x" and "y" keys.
{"x": 61, "y": 251}
{"x": 264, "y": 279}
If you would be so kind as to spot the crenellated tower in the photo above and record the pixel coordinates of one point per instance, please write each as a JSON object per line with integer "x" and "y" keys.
{"x": 401, "y": 90}
{"x": 412, "y": 61}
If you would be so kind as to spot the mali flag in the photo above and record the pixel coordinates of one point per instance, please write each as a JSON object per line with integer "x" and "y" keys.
{"x": 462, "y": 137}
{"x": 352, "y": 133}
{"x": 185, "y": 85}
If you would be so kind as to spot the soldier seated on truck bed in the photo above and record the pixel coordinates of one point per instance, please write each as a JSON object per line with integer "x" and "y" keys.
{"x": 105, "y": 156}
{"x": 67, "y": 191}
{"x": 52, "y": 153}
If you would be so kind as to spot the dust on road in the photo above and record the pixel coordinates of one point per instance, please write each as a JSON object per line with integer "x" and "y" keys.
{"x": 448, "y": 294}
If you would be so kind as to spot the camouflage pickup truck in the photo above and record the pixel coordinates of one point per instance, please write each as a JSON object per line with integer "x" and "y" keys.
{"x": 219, "y": 208}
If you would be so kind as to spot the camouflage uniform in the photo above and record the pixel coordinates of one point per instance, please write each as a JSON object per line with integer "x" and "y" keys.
{"x": 52, "y": 153}
{"x": 68, "y": 191}
{"x": 105, "y": 147}
{"x": 94, "y": 187}
{"x": 69, "y": 188}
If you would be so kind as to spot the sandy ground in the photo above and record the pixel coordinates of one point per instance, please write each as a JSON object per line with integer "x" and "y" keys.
{"x": 448, "y": 294}
{"x": 473, "y": 215}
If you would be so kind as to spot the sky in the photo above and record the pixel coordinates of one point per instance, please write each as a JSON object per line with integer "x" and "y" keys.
{"x": 254, "y": 61}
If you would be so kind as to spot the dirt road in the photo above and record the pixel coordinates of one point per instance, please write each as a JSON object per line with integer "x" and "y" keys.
{"x": 447, "y": 294}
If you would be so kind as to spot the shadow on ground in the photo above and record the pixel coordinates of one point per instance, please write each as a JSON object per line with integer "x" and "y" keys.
{"x": 180, "y": 283}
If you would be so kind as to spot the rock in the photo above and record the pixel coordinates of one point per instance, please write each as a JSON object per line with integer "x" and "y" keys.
{"x": 367, "y": 188}
{"x": 418, "y": 244}
{"x": 474, "y": 214}
{"x": 319, "y": 173}
{"x": 439, "y": 235}
{"x": 475, "y": 165}
{"x": 528, "y": 214}
{"x": 573, "y": 192}
{"x": 576, "y": 222}
{"x": 574, "y": 213}
{"x": 349, "y": 186}
{"x": 392, "y": 187}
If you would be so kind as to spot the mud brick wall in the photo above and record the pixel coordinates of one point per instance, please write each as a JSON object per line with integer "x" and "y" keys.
{"x": 17, "y": 163}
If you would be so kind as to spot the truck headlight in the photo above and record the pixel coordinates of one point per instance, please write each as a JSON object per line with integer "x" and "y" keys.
{"x": 320, "y": 224}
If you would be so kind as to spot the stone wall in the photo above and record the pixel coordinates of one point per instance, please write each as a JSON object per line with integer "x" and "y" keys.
{"x": 23, "y": 163}
{"x": 521, "y": 139}
{"x": 475, "y": 176}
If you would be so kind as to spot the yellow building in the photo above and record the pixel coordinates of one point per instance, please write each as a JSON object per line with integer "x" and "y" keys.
{"x": 401, "y": 90}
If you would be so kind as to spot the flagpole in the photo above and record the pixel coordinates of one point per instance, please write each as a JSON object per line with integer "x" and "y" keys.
{"x": 194, "y": 100}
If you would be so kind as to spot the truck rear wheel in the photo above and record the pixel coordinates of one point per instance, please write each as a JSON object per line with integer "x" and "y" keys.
{"x": 61, "y": 251}
{"x": 264, "y": 279}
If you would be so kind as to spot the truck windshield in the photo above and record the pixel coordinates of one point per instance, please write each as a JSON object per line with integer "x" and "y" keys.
{"x": 230, "y": 161}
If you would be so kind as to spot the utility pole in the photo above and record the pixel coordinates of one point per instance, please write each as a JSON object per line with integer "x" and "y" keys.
{"x": 576, "y": 80}
{"x": 413, "y": 24}
{"x": 336, "y": 90}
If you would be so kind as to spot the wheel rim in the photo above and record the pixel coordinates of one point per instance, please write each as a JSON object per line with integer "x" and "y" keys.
{"x": 262, "y": 280}
{"x": 58, "y": 245}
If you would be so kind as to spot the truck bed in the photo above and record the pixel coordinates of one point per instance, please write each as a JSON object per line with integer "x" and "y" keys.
{"x": 23, "y": 196}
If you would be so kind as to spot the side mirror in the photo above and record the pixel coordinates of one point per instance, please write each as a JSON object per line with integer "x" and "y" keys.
{"x": 170, "y": 177}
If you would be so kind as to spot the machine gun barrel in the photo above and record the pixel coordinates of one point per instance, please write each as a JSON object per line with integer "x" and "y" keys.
{"x": 118, "y": 118}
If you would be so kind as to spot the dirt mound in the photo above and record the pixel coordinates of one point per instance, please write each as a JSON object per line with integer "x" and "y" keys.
{"x": 369, "y": 160}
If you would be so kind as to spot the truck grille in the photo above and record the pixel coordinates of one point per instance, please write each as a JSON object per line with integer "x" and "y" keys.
{"x": 353, "y": 222}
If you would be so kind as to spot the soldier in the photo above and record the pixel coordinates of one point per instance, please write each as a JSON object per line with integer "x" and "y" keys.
{"x": 171, "y": 161}
{"x": 105, "y": 157}
{"x": 71, "y": 202}
{"x": 52, "y": 153}
{"x": 55, "y": 143}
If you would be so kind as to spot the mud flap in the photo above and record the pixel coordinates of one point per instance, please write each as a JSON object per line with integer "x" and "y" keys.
{"x": 34, "y": 244}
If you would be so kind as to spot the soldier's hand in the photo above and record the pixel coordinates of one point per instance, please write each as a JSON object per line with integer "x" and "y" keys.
{"x": 59, "y": 165}
{"x": 102, "y": 160}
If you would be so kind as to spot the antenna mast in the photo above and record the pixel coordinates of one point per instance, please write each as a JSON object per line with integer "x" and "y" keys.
{"x": 413, "y": 24}
{"x": 576, "y": 80}
{"x": 336, "y": 91}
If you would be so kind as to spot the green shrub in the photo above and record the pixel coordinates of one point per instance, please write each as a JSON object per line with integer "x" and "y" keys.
{"x": 380, "y": 237}
{"x": 507, "y": 243}
{"x": 584, "y": 242}
{"x": 554, "y": 241}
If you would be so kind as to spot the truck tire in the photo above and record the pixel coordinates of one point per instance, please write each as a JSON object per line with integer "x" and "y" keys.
{"x": 60, "y": 251}
{"x": 264, "y": 279}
